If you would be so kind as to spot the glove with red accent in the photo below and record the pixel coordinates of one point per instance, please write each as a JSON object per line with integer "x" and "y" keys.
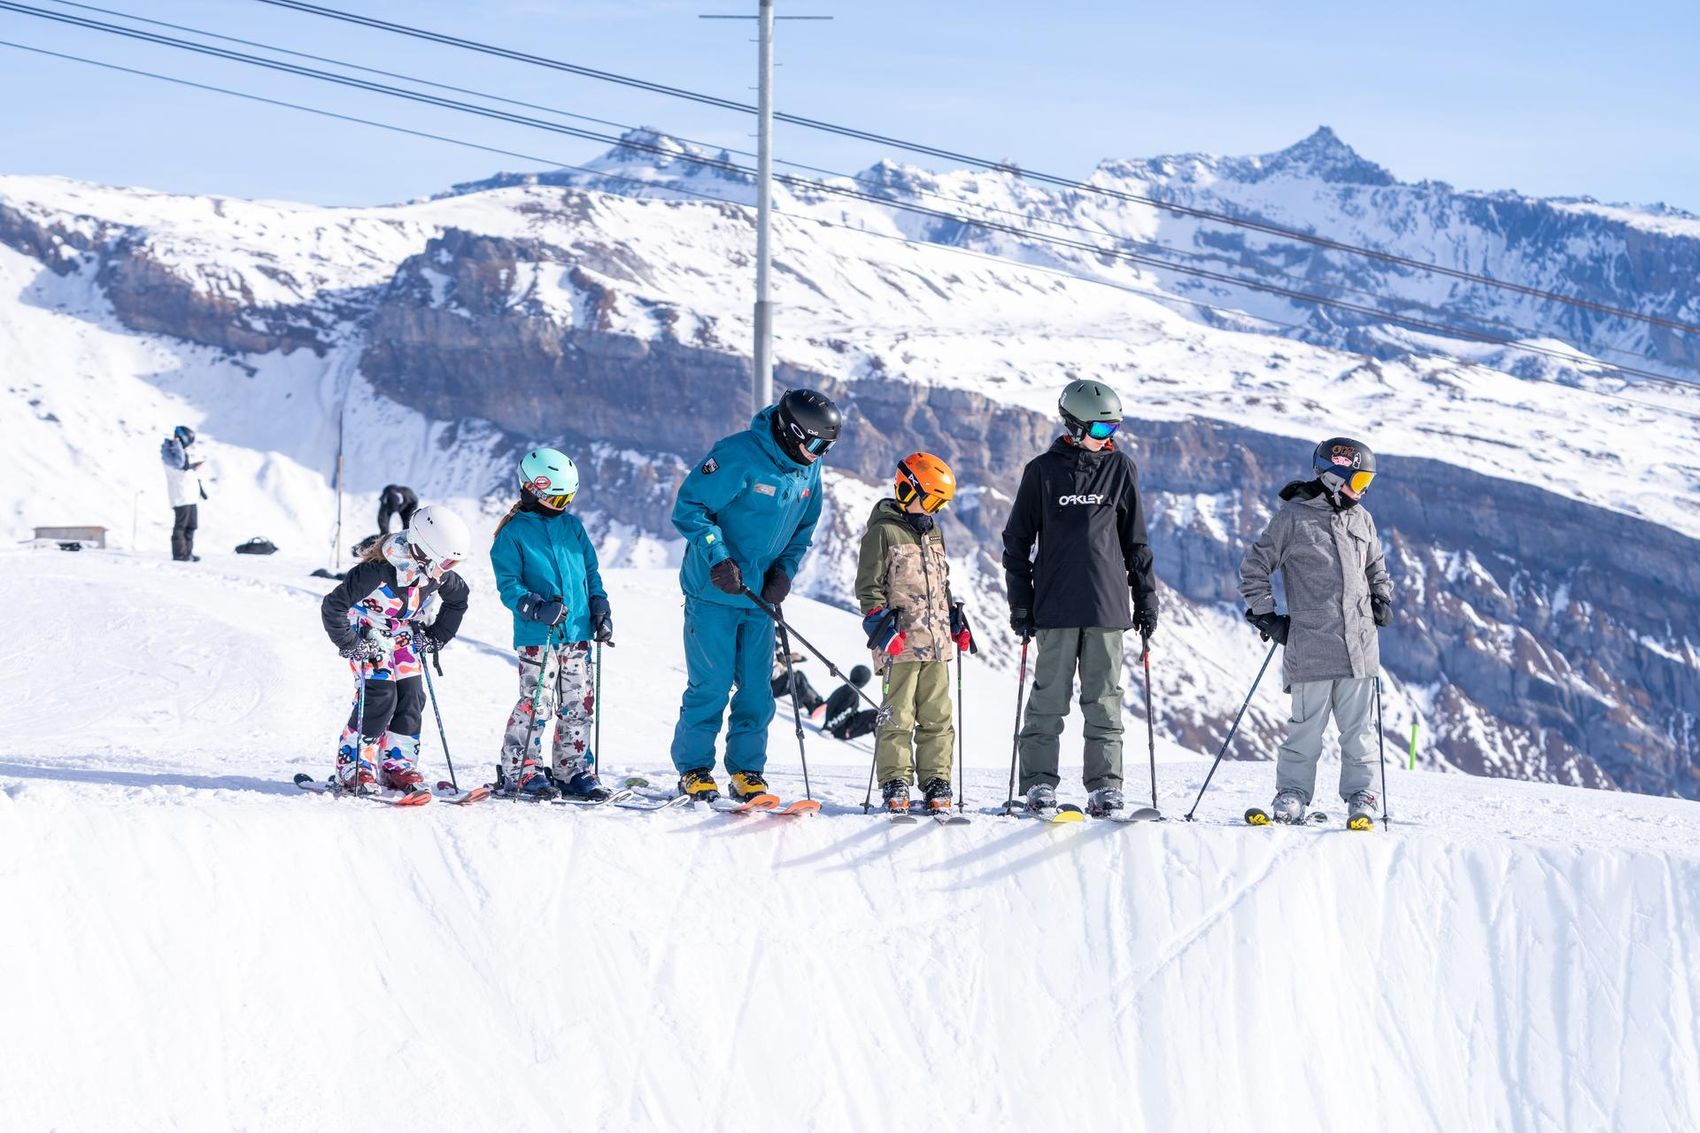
{"x": 880, "y": 624}
{"x": 960, "y": 631}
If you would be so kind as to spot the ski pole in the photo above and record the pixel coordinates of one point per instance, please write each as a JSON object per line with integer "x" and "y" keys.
{"x": 879, "y": 718}
{"x": 1268, "y": 657}
{"x": 961, "y": 756}
{"x": 431, "y": 690}
{"x": 796, "y": 709}
{"x": 596, "y": 703}
{"x": 779, "y": 620}
{"x": 1381, "y": 742}
{"x": 360, "y": 710}
{"x": 1150, "y": 721}
{"x": 1015, "y": 744}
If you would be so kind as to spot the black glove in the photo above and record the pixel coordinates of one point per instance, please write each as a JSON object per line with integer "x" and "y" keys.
{"x": 775, "y": 586}
{"x": 1271, "y": 625}
{"x": 544, "y": 611}
{"x": 1145, "y": 614}
{"x": 1021, "y": 621}
{"x": 1382, "y": 608}
{"x": 601, "y": 620}
{"x": 362, "y": 647}
{"x": 960, "y": 631}
{"x": 726, "y": 577}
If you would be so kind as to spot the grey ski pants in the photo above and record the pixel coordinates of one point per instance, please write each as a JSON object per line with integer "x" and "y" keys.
{"x": 1096, "y": 654}
{"x": 1351, "y": 701}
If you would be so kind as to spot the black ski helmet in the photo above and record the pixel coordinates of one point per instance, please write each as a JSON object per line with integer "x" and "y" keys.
{"x": 1341, "y": 462}
{"x": 806, "y": 421}
{"x": 861, "y": 675}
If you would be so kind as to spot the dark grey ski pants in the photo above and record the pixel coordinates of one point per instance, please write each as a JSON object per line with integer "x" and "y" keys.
{"x": 1096, "y": 656}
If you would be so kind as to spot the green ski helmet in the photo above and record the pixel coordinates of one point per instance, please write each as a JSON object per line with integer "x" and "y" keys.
{"x": 549, "y": 476}
{"x": 1090, "y": 409}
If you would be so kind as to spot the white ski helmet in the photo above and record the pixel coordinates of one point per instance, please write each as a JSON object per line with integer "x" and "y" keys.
{"x": 550, "y": 476}
{"x": 438, "y": 538}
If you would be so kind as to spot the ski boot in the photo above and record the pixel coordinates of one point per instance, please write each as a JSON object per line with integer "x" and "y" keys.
{"x": 1361, "y": 815}
{"x": 531, "y": 784}
{"x": 1105, "y": 802}
{"x": 746, "y": 785}
{"x": 1288, "y": 807}
{"x": 401, "y": 775}
{"x": 1042, "y": 799}
{"x": 355, "y": 776}
{"x": 699, "y": 785}
{"x": 581, "y": 783}
{"x": 937, "y": 795}
{"x": 895, "y": 793}
{"x": 817, "y": 714}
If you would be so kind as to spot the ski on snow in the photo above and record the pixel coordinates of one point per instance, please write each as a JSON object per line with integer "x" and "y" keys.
{"x": 389, "y": 798}
{"x": 763, "y": 803}
{"x": 449, "y": 794}
{"x": 1257, "y": 816}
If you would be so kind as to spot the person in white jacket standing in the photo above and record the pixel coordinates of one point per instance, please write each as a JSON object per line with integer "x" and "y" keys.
{"x": 186, "y": 491}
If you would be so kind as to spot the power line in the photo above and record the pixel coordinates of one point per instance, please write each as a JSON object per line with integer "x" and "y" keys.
{"x": 1401, "y": 302}
{"x": 1159, "y": 296}
{"x": 985, "y": 163}
{"x": 1375, "y": 313}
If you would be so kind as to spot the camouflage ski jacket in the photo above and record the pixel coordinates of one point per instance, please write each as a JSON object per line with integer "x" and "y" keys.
{"x": 901, "y": 570}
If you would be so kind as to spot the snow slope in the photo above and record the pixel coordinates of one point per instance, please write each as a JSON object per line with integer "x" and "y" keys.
{"x": 191, "y": 943}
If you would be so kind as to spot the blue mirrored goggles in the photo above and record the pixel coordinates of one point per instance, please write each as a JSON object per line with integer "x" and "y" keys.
{"x": 816, "y": 446}
{"x": 1102, "y": 430}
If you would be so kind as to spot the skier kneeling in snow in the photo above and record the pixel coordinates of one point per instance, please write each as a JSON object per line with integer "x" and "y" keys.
{"x": 842, "y": 720}
{"x": 401, "y": 602}
{"x": 914, "y": 629}
{"x": 1338, "y": 594}
{"x": 748, "y": 515}
{"x": 547, "y": 574}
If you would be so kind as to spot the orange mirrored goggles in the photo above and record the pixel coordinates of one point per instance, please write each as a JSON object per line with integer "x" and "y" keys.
{"x": 1358, "y": 482}
{"x": 934, "y": 503}
{"x": 556, "y": 502}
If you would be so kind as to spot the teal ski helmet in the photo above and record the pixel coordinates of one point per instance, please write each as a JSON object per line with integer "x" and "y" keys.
{"x": 549, "y": 476}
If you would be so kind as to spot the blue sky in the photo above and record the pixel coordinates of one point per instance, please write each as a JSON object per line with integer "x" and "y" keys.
{"x": 1548, "y": 97}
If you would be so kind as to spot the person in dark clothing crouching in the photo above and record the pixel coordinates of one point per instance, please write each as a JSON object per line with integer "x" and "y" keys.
{"x": 842, "y": 720}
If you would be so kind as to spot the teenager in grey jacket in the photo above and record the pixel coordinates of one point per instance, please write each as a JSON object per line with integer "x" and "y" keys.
{"x": 1339, "y": 595}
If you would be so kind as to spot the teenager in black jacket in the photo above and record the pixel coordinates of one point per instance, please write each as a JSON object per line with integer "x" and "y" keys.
{"x": 1091, "y": 580}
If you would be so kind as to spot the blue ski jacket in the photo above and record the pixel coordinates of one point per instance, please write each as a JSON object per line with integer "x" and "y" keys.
{"x": 551, "y": 557}
{"x": 749, "y": 502}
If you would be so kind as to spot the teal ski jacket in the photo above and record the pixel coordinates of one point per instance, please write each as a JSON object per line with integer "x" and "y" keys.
{"x": 551, "y": 557}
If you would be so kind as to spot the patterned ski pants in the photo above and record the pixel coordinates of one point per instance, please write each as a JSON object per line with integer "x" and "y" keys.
{"x": 569, "y": 692}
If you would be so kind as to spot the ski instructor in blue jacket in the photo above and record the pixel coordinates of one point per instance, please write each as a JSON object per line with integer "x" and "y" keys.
{"x": 748, "y": 514}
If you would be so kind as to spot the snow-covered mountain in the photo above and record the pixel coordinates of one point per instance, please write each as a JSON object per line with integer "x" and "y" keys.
{"x": 1540, "y": 516}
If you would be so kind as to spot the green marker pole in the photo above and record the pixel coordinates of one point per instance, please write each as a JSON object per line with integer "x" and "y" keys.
{"x": 1413, "y": 745}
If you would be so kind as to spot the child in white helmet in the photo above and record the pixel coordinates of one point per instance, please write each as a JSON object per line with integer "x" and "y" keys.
{"x": 400, "y": 603}
{"x": 546, "y": 573}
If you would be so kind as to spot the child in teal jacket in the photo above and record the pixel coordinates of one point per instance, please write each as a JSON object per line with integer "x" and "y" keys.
{"x": 546, "y": 573}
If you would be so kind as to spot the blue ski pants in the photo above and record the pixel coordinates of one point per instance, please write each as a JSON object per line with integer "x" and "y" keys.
{"x": 728, "y": 654}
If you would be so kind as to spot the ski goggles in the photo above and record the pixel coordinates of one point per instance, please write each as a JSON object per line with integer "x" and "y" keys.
{"x": 816, "y": 446}
{"x": 1102, "y": 430}
{"x": 1358, "y": 482}
{"x": 433, "y": 568}
{"x": 556, "y": 502}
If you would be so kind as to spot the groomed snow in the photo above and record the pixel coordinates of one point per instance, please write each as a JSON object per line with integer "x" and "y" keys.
{"x": 191, "y": 943}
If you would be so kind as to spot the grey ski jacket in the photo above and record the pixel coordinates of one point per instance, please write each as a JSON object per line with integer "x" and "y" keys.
{"x": 1330, "y": 564}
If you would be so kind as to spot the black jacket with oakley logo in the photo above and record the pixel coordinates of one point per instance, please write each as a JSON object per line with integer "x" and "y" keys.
{"x": 1083, "y": 509}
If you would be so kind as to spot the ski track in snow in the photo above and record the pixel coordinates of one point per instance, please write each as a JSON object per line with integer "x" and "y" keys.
{"x": 219, "y": 950}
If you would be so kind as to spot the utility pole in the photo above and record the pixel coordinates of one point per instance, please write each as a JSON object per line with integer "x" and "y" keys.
{"x": 761, "y": 373}
{"x": 761, "y": 383}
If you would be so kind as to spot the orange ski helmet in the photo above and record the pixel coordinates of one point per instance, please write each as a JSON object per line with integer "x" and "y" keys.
{"x": 923, "y": 475}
